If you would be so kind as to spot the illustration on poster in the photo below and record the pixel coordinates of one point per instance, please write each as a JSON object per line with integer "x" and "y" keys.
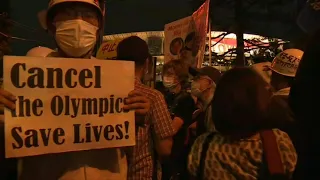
{"x": 73, "y": 108}
{"x": 176, "y": 45}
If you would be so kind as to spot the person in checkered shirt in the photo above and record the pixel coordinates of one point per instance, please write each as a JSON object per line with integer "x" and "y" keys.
{"x": 154, "y": 137}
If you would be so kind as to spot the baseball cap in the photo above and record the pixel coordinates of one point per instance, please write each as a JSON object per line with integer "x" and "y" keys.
{"x": 134, "y": 49}
{"x": 309, "y": 17}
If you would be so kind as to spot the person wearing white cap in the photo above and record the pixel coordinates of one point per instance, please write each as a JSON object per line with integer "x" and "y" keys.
{"x": 76, "y": 26}
{"x": 284, "y": 68}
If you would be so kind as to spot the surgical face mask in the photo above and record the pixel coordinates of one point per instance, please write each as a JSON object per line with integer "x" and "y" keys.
{"x": 195, "y": 89}
{"x": 205, "y": 95}
{"x": 75, "y": 37}
{"x": 170, "y": 82}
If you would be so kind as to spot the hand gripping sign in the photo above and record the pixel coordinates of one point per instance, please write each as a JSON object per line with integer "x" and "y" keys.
{"x": 66, "y": 104}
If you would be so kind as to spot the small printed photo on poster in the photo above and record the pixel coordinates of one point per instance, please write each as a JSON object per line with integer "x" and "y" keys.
{"x": 176, "y": 45}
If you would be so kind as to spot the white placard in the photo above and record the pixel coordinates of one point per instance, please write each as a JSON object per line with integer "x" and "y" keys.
{"x": 67, "y": 105}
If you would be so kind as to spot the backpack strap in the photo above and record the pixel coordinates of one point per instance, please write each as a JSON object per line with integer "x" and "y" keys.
{"x": 271, "y": 153}
{"x": 205, "y": 146}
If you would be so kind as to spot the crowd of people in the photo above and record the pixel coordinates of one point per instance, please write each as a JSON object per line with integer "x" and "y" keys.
{"x": 235, "y": 125}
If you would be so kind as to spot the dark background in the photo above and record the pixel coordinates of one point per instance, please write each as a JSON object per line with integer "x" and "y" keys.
{"x": 273, "y": 18}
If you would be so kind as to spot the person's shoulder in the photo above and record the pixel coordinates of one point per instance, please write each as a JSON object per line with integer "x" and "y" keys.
{"x": 201, "y": 139}
{"x": 281, "y": 135}
{"x": 284, "y": 142}
{"x": 287, "y": 151}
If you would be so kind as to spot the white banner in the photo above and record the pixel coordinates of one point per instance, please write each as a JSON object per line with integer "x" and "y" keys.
{"x": 67, "y": 105}
{"x": 185, "y": 39}
{"x": 175, "y": 34}
{"x": 201, "y": 21}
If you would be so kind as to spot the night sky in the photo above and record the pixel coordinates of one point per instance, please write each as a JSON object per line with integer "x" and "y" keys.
{"x": 121, "y": 16}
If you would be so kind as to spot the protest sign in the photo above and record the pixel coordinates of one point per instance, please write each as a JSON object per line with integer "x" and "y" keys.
{"x": 185, "y": 39}
{"x": 175, "y": 34}
{"x": 66, "y": 104}
{"x": 108, "y": 50}
{"x": 201, "y": 19}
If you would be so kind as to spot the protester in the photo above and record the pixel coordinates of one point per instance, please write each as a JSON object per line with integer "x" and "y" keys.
{"x": 158, "y": 131}
{"x": 304, "y": 94}
{"x": 181, "y": 106}
{"x": 304, "y": 99}
{"x": 75, "y": 25}
{"x": 284, "y": 67}
{"x": 236, "y": 150}
{"x": 203, "y": 87}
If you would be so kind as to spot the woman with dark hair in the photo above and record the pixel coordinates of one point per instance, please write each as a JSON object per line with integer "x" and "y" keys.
{"x": 239, "y": 114}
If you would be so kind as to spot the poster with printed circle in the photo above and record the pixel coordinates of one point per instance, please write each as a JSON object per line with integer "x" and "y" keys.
{"x": 175, "y": 34}
{"x": 185, "y": 39}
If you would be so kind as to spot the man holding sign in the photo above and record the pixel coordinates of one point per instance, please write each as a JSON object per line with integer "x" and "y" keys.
{"x": 75, "y": 25}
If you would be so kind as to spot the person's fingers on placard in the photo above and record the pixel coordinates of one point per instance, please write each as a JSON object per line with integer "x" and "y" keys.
{"x": 141, "y": 111}
{"x": 7, "y": 103}
{"x": 134, "y": 93}
{"x": 137, "y": 99}
{"x": 7, "y": 95}
{"x": 140, "y": 108}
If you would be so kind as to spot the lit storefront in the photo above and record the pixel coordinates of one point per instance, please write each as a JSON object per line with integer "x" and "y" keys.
{"x": 222, "y": 46}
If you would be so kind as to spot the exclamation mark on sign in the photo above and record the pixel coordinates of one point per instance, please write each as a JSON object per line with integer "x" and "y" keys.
{"x": 126, "y": 126}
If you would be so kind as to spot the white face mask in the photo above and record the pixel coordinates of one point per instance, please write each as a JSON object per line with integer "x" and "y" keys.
{"x": 203, "y": 95}
{"x": 76, "y": 37}
{"x": 169, "y": 82}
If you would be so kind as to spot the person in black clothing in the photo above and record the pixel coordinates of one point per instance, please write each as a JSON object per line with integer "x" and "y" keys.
{"x": 283, "y": 68}
{"x": 181, "y": 106}
{"x": 304, "y": 94}
{"x": 304, "y": 101}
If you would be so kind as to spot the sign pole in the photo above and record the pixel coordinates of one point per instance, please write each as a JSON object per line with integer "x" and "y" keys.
{"x": 210, "y": 54}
